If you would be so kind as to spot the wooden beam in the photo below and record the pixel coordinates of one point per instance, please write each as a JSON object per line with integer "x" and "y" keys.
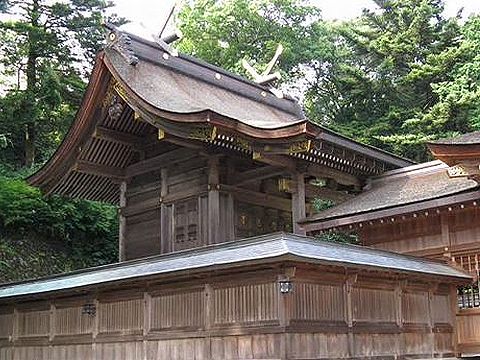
{"x": 119, "y": 137}
{"x": 159, "y": 161}
{"x": 317, "y": 170}
{"x": 87, "y": 167}
{"x": 172, "y": 139}
{"x": 298, "y": 203}
{"x": 262, "y": 173}
{"x": 258, "y": 198}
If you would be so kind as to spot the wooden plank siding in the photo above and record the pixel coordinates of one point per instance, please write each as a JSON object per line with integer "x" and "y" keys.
{"x": 172, "y": 208}
{"x": 451, "y": 234}
{"x": 238, "y": 316}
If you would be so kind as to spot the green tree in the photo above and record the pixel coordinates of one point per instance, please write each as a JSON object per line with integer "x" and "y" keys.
{"x": 458, "y": 108}
{"x": 48, "y": 48}
{"x": 377, "y": 87}
{"x": 225, "y": 32}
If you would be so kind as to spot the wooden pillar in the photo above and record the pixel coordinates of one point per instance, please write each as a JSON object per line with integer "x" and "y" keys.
{"x": 15, "y": 321}
{"x": 298, "y": 202}
{"x": 165, "y": 239}
{"x": 53, "y": 313}
{"x": 453, "y": 318}
{"x": 351, "y": 279}
{"x": 431, "y": 321}
{"x": 285, "y": 309}
{"x": 208, "y": 320}
{"x": 122, "y": 231}
{"x": 399, "y": 315}
{"x": 213, "y": 200}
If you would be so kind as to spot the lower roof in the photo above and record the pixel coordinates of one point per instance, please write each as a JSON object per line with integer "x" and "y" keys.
{"x": 397, "y": 189}
{"x": 263, "y": 249}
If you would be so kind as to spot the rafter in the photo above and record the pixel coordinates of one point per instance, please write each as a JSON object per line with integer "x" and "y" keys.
{"x": 88, "y": 167}
{"x": 119, "y": 137}
{"x": 159, "y": 161}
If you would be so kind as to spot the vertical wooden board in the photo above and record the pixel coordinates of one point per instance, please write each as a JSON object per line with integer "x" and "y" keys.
{"x": 217, "y": 348}
{"x": 367, "y": 345}
{"x": 224, "y": 348}
{"x": 440, "y": 306}
{"x": 373, "y": 305}
{"x": 177, "y": 349}
{"x": 120, "y": 351}
{"x": 33, "y": 323}
{"x": 71, "y": 321}
{"x": 337, "y": 345}
{"x": 32, "y": 353}
{"x": 415, "y": 307}
{"x": 245, "y": 349}
{"x": 468, "y": 327}
{"x": 261, "y": 346}
{"x": 416, "y": 344}
{"x": 6, "y": 353}
{"x": 298, "y": 348}
{"x": 178, "y": 310}
{"x": 316, "y": 302}
{"x": 6, "y": 325}
{"x": 126, "y": 315}
{"x": 72, "y": 352}
{"x": 443, "y": 343}
{"x": 242, "y": 304}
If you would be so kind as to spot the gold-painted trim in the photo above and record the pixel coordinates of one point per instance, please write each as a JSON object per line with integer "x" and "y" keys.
{"x": 208, "y": 133}
{"x": 161, "y": 134}
{"x": 300, "y": 147}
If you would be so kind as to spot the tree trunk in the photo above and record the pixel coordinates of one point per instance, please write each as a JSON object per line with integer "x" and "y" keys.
{"x": 30, "y": 98}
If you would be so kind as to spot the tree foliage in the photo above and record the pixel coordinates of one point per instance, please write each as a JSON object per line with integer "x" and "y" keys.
{"x": 77, "y": 233}
{"x": 46, "y": 50}
{"x": 380, "y": 78}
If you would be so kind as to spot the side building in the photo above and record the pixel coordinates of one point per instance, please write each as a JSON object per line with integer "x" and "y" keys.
{"x": 429, "y": 210}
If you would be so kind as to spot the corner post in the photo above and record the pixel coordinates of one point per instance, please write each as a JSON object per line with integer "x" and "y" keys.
{"x": 298, "y": 202}
{"x": 213, "y": 200}
{"x": 122, "y": 231}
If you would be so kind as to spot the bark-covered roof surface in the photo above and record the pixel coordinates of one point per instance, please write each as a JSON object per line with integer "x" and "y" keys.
{"x": 270, "y": 248}
{"x": 465, "y": 139}
{"x": 400, "y": 190}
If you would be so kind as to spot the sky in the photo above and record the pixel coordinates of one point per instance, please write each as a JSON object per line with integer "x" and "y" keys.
{"x": 146, "y": 15}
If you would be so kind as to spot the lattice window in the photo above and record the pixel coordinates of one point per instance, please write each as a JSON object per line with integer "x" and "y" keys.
{"x": 186, "y": 224}
{"x": 468, "y": 297}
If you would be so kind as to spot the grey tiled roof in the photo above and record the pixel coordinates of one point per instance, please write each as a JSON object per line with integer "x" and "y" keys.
{"x": 465, "y": 139}
{"x": 268, "y": 248}
{"x": 399, "y": 191}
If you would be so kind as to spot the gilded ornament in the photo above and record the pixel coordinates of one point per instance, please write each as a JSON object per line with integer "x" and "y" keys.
{"x": 300, "y": 147}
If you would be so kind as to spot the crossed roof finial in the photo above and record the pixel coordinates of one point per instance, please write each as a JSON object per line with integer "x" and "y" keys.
{"x": 266, "y": 77}
{"x": 164, "y": 40}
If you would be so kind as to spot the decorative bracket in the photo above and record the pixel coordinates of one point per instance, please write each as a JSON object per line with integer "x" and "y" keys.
{"x": 121, "y": 43}
{"x": 466, "y": 169}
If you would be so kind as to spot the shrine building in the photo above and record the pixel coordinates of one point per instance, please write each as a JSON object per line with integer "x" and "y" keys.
{"x": 215, "y": 178}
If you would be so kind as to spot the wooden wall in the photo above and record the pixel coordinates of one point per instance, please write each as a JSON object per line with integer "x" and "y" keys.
{"x": 454, "y": 231}
{"x": 452, "y": 234}
{"x": 173, "y": 208}
{"x": 243, "y": 316}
